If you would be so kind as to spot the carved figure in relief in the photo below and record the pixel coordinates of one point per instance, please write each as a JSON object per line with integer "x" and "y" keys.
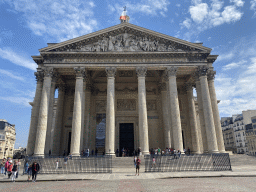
{"x": 110, "y": 43}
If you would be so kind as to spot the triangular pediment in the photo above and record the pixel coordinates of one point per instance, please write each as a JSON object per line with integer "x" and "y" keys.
{"x": 125, "y": 37}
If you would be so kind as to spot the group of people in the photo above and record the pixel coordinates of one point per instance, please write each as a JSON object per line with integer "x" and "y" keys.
{"x": 168, "y": 151}
{"x": 127, "y": 152}
{"x": 86, "y": 152}
{"x": 12, "y": 169}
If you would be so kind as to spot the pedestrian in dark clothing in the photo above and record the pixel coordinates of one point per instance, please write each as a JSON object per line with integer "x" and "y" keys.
{"x": 35, "y": 169}
{"x": 96, "y": 152}
{"x": 188, "y": 151}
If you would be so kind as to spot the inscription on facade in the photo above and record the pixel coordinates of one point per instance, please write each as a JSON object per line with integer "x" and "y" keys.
{"x": 126, "y": 105}
{"x": 83, "y": 60}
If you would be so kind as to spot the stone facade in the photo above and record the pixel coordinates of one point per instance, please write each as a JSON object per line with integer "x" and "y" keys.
{"x": 125, "y": 74}
{"x": 7, "y": 139}
{"x": 251, "y": 137}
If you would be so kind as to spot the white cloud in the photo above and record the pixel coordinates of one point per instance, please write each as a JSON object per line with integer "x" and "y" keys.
{"x": 237, "y": 88}
{"x": 238, "y": 3}
{"x": 18, "y": 100}
{"x": 178, "y": 5}
{"x": 149, "y": 7}
{"x": 226, "y": 56}
{"x": 205, "y": 16}
{"x": 57, "y": 19}
{"x": 10, "y": 74}
{"x": 233, "y": 65}
{"x": 198, "y": 12}
{"x": 17, "y": 59}
{"x": 253, "y": 6}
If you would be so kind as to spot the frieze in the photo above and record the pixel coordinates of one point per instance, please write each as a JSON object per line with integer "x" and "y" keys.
{"x": 151, "y": 105}
{"x": 101, "y": 105}
{"x": 125, "y": 73}
{"x": 138, "y": 60}
{"x": 126, "y": 105}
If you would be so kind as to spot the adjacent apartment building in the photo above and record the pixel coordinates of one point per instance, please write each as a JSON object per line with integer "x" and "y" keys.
{"x": 251, "y": 136}
{"x": 7, "y": 139}
{"x": 237, "y": 125}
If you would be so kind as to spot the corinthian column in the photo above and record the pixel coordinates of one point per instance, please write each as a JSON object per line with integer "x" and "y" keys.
{"x": 201, "y": 114}
{"x": 207, "y": 107}
{"x": 167, "y": 129}
{"x": 175, "y": 110}
{"x": 143, "y": 119}
{"x": 43, "y": 113}
{"x": 77, "y": 112}
{"x": 192, "y": 119}
{"x": 110, "y": 113}
{"x": 35, "y": 112}
{"x": 215, "y": 111}
{"x": 58, "y": 121}
{"x": 50, "y": 115}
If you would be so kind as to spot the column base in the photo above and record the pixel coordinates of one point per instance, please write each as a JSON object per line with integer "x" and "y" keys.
{"x": 75, "y": 154}
{"x": 111, "y": 153}
{"x": 145, "y": 152}
{"x": 196, "y": 152}
{"x": 213, "y": 151}
{"x": 39, "y": 155}
{"x": 223, "y": 151}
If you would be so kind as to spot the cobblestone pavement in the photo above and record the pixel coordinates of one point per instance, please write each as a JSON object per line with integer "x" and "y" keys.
{"x": 185, "y": 184}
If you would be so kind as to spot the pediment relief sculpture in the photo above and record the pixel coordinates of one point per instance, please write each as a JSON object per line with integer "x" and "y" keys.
{"x": 127, "y": 42}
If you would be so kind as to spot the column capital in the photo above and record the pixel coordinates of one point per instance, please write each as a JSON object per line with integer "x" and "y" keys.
{"x": 163, "y": 87}
{"x": 48, "y": 72}
{"x": 111, "y": 71}
{"x": 61, "y": 87}
{"x": 141, "y": 71}
{"x": 80, "y": 72}
{"x": 171, "y": 71}
{"x": 39, "y": 76}
{"x": 202, "y": 71}
{"x": 211, "y": 75}
{"x": 189, "y": 87}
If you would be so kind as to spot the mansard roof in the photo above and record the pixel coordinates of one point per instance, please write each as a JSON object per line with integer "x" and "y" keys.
{"x": 161, "y": 42}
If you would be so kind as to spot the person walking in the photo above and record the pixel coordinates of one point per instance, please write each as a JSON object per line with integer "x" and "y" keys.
{"x": 57, "y": 164}
{"x": 9, "y": 169}
{"x": 153, "y": 163}
{"x": 29, "y": 172}
{"x": 2, "y": 166}
{"x": 26, "y": 168}
{"x": 135, "y": 159}
{"x": 14, "y": 171}
{"x": 96, "y": 152}
{"x": 188, "y": 151}
{"x": 6, "y": 166}
{"x": 18, "y": 168}
{"x": 138, "y": 161}
{"x": 35, "y": 169}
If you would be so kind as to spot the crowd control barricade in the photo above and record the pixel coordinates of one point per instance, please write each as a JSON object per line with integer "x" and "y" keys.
{"x": 194, "y": 162}
{"x": 48, "y": 165}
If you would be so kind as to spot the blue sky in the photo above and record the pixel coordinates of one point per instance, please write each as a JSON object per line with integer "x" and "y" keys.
{"x": 228, "y": 27}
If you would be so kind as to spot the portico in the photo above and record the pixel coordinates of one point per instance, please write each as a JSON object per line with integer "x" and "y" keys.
{"x": 124, "y": 74}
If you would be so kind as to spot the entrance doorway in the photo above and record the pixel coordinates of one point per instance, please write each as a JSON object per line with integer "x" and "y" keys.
{"x": 69, "y": 142}
{"x": 126, "y": 138}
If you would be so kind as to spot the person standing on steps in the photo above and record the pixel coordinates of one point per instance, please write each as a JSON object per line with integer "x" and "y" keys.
{"x": 135, "y": 159}
{"x": 138, "y": 161}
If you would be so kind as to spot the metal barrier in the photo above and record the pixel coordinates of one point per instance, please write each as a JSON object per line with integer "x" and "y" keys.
{"x": 202, "y": 162}
{"x": 95, "y": 164}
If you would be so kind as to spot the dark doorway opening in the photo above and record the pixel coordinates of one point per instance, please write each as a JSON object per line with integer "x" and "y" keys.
{"x": 126, "y": 138}
{"x": 183, "y": 140}
{"x": 69, "y": 142}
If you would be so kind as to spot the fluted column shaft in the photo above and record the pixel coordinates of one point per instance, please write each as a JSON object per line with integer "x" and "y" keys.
{"x": 58, "y": 121}
{"x": 110, "y": 113}
{"x": 207, "y": 107}
{"x": 201, "y": 115}
{"x": 192, "y": 119}
{"x": 77, "y": 112}
{"x": 169, "y": 111}
{"x": 175, "y": 110}
{"x": 35, "y": 114}
{"x": 167, "y": 129}
{"x": 215, "y": 111}
{"x": 143, "y": 119}
{"x": 83, "y": 120}
{"x": 50, "y": 116}
{"x": 43, "y": 113}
